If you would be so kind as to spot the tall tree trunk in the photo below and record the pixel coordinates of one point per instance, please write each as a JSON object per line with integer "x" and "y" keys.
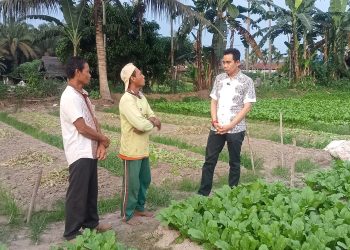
{"x": 15, "y": 59}
{"x": 305, "y": 55}
{"x": 295, "y": 48}
{"x": 140, "y": 17}
{"x": 247, "y": 49}
{"x": 172, "y": 49}
{"x": 325, "y": 47}
{"x": 270, "y": 46}
{"x": 199, "y": 63}
{"x": 232, "y": 38}
{"x": 218, "y": 42}
{"x": 101, "y": 53}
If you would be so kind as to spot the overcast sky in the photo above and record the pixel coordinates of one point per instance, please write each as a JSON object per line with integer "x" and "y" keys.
{"x": 165, "y": 25}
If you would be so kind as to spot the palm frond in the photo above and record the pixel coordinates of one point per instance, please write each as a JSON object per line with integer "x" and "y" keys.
{"x": 44, "y": 18}
{"x": 23, "y": 7}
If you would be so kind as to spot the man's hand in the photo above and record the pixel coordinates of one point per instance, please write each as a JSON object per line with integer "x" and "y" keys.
{"x": 156, "y": 122}
{"x": 104, "y": 140}
{"x": 101, "y": 152}
{"x": 223, "y": 129}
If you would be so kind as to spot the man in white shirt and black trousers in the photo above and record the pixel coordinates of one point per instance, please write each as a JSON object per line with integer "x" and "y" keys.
{"x": 84, "y": 144}
{"x": 231, "y": 99}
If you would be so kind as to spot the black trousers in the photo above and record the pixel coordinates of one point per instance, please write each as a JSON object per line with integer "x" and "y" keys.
{"x": 81, "y": 198}
{"x": 215, "y": 145}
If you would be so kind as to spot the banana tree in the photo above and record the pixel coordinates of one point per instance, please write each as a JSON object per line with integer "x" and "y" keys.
{"x": 226, "y": 16}
{"x": 218, "y": 13}
{"x": 73, "y": 21}
{"x": 339, "y": 33}
{"x": 190, "y": 23}
{"x": 296, "y": 21}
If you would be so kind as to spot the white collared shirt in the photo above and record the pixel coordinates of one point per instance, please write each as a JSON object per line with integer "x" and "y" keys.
{"x": 231, "y": 94}
{"x": 72, "y": 107}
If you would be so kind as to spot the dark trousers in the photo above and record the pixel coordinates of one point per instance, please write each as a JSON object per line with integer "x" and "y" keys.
{"x": 81, "y": 198}
{"x": 215, "y": 145}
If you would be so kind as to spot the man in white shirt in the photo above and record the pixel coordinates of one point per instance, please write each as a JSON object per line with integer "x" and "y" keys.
{"x": 232, "y": 97}
{"x": 84, "y": 144}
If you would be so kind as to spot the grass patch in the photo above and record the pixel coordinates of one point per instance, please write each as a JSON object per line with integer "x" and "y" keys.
{"x": 109, "y": 205}
{"x": 158, "y": 196}
{"x": 248, "y": 177}
{"x": 114, "y": 110}
{"x": 287, "y": 138}
{"x": 9, "y": 208}
{"x": 320, "y": 144}
{"x": 40, "y": 220}
{"x": 54, "y": 113}
{"x": 281, "y": 172}
{"x": 110, "y": 128}
{"x": 305, "y": 165}
{"x": 187, "y": 185}
{"x": 34, "y": 132}
{"x": 221, "y": 181}
{"x": 113, "y": 164}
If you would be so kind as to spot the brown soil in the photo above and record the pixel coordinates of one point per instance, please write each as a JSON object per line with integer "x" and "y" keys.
{"x": 22, "y": 159}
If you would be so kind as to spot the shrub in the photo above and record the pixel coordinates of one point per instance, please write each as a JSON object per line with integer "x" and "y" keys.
{"x": 3, "y": 90}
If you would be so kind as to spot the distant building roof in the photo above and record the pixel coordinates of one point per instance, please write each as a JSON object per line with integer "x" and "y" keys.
{"x": 262, "y": 66}
{"x": 52, "y": 67}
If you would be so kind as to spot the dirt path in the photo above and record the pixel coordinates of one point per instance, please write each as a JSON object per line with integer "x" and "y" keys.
{"x": 149, "y": 235}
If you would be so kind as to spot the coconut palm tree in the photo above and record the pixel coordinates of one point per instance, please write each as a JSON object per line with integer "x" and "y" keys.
{"x": 16, "y": 41}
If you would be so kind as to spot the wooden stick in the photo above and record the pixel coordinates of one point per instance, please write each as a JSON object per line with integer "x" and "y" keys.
{"x": 35, "y": 191}
{"x": 281, "y": 133}
{"x": 292, "y": 167}
{"x": 251, "y": 151}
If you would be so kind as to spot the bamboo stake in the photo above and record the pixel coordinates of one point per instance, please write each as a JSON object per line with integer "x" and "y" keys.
{"x": 35, "y": 191}
{"x": 251, "y": 151}
{"x": 292, "y": 168}
{"x": 281, "y": 133}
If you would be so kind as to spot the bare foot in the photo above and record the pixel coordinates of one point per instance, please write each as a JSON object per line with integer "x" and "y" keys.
{"x": 133, "y": 221}
{"x": 144, "y": 214}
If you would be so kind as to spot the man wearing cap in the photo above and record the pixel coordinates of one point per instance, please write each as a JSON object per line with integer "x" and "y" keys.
{"x": 137, "y": 120}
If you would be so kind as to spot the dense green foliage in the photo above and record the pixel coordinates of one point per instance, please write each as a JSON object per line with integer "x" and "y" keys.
{"x": 36, "y": 84}
{"x": 267, "y": 216}
{"x": 332, "y": 182}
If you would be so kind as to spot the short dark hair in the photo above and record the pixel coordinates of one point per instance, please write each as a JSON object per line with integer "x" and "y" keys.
{"x": 73, "y": 64}
{"x": 236, "y": 55}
